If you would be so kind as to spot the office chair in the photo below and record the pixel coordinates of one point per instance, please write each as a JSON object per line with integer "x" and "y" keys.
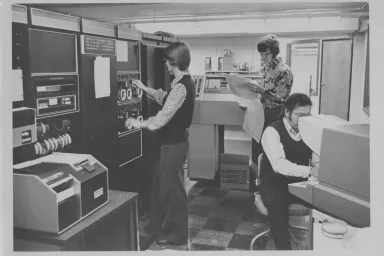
{"x": 294, "y": 210}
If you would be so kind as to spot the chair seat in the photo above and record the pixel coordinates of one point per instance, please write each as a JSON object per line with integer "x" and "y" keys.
{"x": 297, "y": 210}
{"x": 293, "y": 210}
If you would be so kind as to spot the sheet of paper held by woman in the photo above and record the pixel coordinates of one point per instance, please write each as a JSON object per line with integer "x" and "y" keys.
{"x": 254, "y": 115}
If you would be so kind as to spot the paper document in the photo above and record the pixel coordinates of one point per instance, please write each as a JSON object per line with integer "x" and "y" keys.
{"x": 17, "y": 85}
{"x": 239, "y": 87}
{"x": 122, "y": 51}
{"x": 254, "y": 115}
{"x": 102, "y": 77}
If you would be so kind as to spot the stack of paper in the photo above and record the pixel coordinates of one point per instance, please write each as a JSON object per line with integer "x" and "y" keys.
{"x": 239, "y": 87}
{"x": 254, "y": 116}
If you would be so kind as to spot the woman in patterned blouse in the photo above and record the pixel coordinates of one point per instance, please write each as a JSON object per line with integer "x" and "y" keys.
{"x": 276, "y": 84}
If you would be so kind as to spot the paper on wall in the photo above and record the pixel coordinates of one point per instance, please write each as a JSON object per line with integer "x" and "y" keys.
{"x": 254, "y": 115}
{"x": 17, "y": 85}
{"x": 102, "y": 77}
{"x": 122, "y": 51}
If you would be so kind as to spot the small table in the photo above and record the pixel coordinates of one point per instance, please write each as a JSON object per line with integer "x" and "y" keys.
{"x": 114, "y": 227}
{"x": 323, "y": 243}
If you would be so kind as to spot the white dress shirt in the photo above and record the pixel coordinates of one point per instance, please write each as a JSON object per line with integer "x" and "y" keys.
{"x": 276, "y": 155}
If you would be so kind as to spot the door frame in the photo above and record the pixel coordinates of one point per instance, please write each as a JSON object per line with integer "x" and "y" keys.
{"x": 289, "y": 59}
{"x": 320, "y": 73}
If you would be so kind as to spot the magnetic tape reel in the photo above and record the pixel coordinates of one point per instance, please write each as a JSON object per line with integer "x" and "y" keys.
{"x": 129, "y": 93}
{"x": 139, "y": 93}
{"x": 42, "y": 129}
{"x": 52, "y": 144}
{"x": 122, "y": 95}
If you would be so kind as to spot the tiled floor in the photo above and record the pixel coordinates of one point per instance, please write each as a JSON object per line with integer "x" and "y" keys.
{"x": 219, "y": 219}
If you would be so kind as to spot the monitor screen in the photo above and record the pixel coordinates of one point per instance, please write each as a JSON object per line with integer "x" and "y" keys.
{"x": 52, "y": 52}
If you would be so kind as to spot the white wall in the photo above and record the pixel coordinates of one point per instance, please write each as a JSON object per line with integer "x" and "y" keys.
{"x": 243, "y": 47}
{"x": 357, "y": 115}
{"x": 255, "y": 26}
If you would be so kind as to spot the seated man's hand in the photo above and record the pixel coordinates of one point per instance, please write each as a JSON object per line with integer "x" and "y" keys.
{"x": 314, "y": 170}
{"x": 312, "y": 178}
{"x": 243, "y": 107}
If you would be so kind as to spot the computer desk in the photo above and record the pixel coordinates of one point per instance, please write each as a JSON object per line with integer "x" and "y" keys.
{"x": 113, "y": 227}
{"x": 316, "y": 240}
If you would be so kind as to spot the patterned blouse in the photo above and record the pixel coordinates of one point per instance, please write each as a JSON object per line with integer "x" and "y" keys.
{"x": 278, "y": 79}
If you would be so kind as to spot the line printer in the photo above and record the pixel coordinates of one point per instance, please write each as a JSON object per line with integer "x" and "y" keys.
{"x": 54, "y": 192}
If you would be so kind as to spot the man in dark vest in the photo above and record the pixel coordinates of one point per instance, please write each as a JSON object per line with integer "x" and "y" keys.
{"x": 286, "y": 160}
{"x": 168, "y": 214}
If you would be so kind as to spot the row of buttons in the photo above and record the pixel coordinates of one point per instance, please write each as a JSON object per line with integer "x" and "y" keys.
{"x": 130, "y": 107}
{"x": 17, "y": 59}
{"x": 128, "y": 76}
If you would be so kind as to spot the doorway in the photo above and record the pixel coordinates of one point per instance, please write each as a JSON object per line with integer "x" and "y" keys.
{"x": 322, "y": 69}
{"x": 303, "y": 58}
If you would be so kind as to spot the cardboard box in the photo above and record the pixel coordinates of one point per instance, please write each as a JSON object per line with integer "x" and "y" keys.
{"x": 234, "y": 171}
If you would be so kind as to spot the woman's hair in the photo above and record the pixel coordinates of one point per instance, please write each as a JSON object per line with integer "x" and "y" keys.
{"x": 178, "y": 54}
{"x": 269, "y": 42}
{"x": 295, "y": 100}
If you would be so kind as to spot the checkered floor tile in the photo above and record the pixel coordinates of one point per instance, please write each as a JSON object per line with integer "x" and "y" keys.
{"x": 220, "y": 219}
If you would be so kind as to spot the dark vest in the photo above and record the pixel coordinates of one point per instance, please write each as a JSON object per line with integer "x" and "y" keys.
{"x": 295, "y": 151}
{"x": 175, "y": 130}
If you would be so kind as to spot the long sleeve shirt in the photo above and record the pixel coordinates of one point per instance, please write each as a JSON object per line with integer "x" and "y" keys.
{"x": 275, "y": 152}
{"x": 277, "y": 82}
{"x": 174, "y": 101}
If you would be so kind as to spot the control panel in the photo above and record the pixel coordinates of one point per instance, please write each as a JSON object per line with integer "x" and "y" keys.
{"x": 199, "y": 85}
{"x": 55, "y": 95}
{"x": 125, "y": 90}
{"x": 129, "y": 101}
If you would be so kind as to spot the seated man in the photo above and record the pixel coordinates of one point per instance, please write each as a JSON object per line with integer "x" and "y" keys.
{"x": 286, "y": 160}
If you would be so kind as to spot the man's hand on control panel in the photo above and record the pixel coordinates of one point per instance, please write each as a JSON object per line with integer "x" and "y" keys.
{"x": 132, "y": 123}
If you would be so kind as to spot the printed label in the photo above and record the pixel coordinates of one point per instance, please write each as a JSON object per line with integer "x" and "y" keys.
{"x": 98, "y": 193}
{"x": 53, "y": 101}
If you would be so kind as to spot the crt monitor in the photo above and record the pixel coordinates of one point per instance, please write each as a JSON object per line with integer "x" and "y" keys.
{"x": 52, "y": 52}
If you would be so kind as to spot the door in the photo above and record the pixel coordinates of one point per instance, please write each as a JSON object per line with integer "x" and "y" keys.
{"x": 335, "y": 76}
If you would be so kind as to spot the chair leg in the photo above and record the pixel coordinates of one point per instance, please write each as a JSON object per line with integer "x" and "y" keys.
{"x": 257, "y": 237}
{"x": 298, "y": 227}
{"x": 294, "y": 239}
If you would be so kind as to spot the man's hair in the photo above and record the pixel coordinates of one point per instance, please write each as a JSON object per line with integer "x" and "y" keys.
{"x": 269, "y": 42}
{"x": 295, "y": 100}
{"x": 178, "y": 54}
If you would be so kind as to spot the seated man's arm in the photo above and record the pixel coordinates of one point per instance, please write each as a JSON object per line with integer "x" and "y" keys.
{"x": 275, "y": 152}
